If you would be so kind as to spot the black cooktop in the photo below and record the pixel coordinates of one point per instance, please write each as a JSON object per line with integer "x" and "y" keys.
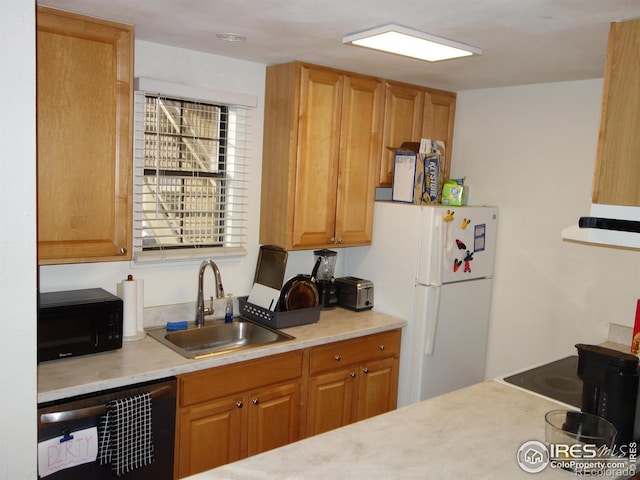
{"x": 558, "y": 380}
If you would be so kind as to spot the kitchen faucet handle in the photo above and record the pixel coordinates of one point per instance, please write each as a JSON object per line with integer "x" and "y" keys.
{"x": 209, "y": 310}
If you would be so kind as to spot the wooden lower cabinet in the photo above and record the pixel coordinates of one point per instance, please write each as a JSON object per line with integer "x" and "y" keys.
{"x": 274, "y": 417}
{"x": 231, "y": 412}
{"x": 331, "y": 400}
{"x": 377, "y": 388}
{"x": 352, "y": 380}
{"x": 210, "y": 435}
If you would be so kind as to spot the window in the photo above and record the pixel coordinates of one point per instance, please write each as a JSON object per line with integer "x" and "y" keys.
{"x": 190, "y": 177}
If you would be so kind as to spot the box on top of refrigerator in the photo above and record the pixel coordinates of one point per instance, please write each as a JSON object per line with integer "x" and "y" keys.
{"x": 407, "y": 174}
{"x": 455, "y": 192}
{"x": 418, "y": 173}
{"x": 432, "y": 157}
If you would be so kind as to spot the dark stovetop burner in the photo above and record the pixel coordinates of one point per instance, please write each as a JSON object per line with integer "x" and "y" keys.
{"x": 558, "y": 380}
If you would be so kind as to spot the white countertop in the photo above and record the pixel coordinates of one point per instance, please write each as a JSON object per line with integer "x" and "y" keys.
{"x": 148, "y": 359}
{"x": 474, "y": 433}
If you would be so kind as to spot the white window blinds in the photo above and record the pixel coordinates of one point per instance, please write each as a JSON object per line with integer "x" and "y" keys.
{"x": 190, "y": 178}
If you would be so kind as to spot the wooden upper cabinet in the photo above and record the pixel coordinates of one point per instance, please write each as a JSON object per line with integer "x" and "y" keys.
{"x": 403, "y": 117}
{"x": 318, "y": 150}
{"x": 617, "y": 172}
{"x": 360, "y": 134}
{"x": 326, "y": 134}
{"x": 412, "y": 113}
{"x": 440, "y": 113}
{"x": 321, "y": 139}
{"x": 84, "y": 154}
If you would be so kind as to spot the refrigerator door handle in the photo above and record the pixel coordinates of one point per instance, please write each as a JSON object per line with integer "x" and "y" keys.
{"x": 433, "y": 317}
{"x": 440, "y": 252}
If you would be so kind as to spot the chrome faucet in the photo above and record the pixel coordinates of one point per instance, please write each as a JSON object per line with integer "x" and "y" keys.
{"x": 201, "y": 311}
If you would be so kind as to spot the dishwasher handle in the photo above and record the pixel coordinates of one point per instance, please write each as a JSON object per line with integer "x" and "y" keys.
{"x": 97, "y": 410}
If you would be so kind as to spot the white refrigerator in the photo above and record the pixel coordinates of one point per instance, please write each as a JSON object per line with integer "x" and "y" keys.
{"x": 433, "y": 267}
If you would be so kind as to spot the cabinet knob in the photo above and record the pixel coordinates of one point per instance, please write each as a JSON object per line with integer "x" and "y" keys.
{"x": 381, "y": 347}
{"x": 332, "y": 240}
{"x": 239, "y": 404}
{"x": 123, "y": 250}
{"x": 338, "y": 358}
{"x": 353, "y": 374}
{"x": 340, "y": 240}
{"x": 255, "y": 400}
{"x": 365, "y": 370}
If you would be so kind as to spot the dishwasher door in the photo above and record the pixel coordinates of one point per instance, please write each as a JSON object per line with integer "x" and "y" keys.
{"x": 69, "y": 415}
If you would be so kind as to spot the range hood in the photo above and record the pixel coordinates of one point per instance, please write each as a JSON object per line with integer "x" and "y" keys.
{"x": 607, "y": 225}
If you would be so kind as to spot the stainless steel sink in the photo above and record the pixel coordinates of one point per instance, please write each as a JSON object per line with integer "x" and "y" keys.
{"x": 218, "y": 338}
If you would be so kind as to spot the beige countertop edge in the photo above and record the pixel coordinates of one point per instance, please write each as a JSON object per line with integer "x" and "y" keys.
{"x": 147, "y": 359}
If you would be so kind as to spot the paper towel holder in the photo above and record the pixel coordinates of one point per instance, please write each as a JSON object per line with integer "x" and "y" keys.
{"x": 132, "y": 293}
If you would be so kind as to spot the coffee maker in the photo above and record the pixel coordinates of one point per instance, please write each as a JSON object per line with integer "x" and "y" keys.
{"x": 610, "y": 387}
{"x": 324, "y": 278}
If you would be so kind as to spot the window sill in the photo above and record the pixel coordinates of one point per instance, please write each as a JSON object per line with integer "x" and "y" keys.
{"x": 163, "y": 256}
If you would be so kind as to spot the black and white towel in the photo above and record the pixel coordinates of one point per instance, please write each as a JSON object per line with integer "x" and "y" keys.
{"x": 125, "y": 439}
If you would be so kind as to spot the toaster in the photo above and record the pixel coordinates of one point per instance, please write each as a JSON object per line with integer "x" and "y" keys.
{"x": 354, "y": 293}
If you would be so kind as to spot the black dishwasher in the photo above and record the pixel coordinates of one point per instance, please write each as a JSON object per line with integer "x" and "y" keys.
{"x": 63, "y": 417}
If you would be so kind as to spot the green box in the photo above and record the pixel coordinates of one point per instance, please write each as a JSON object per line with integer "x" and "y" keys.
{"x": 454, "y": 194}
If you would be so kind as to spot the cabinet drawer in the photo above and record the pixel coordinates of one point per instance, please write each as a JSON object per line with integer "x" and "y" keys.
{"x": 216, "y": 382}
{"x": 357, "y": 350}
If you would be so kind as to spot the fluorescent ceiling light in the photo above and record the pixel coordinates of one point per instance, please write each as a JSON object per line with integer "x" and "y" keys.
{"x": 411, "y": 43}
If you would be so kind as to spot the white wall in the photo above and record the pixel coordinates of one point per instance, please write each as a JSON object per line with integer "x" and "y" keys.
{"x": 176, "y": 282}
{"x": 530, "y": 150}
{"x": 18, "y": 241}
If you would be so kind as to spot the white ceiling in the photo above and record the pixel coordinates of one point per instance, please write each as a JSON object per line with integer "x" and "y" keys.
{"x": 523, "y": 41}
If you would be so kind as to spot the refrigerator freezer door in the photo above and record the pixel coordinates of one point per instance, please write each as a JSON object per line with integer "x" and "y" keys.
{"x": 456, "y": 244}
{"x": 459, "y": 349}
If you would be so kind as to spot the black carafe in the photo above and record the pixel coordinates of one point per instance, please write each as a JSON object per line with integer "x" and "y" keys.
{"x": 324, "y": 278}
{"x": 610, "y": 387}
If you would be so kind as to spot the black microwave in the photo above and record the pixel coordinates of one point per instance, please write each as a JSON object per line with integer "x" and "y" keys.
{"x": 78, "y": 322}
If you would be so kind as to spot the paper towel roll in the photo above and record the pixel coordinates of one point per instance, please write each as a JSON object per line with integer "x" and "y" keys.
{"x": 130, "y": 307}
{"x": 140, "y": 305}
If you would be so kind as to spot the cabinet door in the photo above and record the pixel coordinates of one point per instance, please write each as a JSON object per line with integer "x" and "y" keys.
{"x": 377, "y": 388}
{"x": 314, "y": 207}
{"x": 210, "y": 435}
{"x": 617, "y": 173}
{"x": 84, "y": 91}
{"x": 439, "y": 118}
{"x": 403, "y": 115}
{"x": 274, "y": 417}
{"x": 361, "y": 128}
{"x": 331, "y": 400}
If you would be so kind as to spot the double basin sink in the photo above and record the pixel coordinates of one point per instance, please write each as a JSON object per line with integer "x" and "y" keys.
{"x": 216, "y": 338}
